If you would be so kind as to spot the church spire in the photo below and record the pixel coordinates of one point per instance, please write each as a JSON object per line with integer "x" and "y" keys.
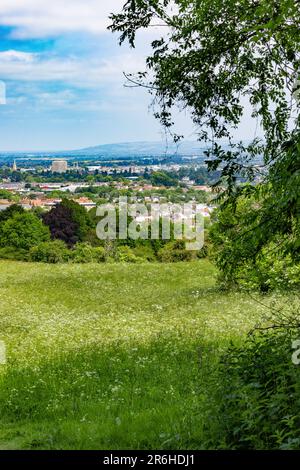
{"x": 14, "y": 166}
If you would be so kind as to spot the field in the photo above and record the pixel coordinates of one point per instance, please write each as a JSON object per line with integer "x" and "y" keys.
{"x": 111, "y": 356}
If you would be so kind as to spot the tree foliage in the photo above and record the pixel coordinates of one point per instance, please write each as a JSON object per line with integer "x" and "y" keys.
{"x": 212, "y": 57}
{"x": 23, "y": 231}
{"x": 214, "y": 52}
{"x": 10, "y": 211}
{"x": 67, "y": 221}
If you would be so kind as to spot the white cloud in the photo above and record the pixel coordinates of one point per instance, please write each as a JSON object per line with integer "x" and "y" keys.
{"x": 84, "y": 72}
{"x": 98, "y": 74}
{"x": 16, "y": 56}
{"x": 74, "y": 101}
{"x": 42, "y": 18}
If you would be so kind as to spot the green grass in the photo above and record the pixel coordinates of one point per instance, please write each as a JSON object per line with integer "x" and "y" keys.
{"x": 111, "y": 356}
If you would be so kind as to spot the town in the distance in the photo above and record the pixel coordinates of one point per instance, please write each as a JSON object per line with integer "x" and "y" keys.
{"x": 33, "y": 180}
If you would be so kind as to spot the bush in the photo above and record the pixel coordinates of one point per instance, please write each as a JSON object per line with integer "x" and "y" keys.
{"x": 203, "y": 253}
{"x": 258, "y": 392}
{"x": 266, "y": 273}
{"x": 126, "y": 254}
{"x": 10, "y": 212}
{"x": 248, "y": 251}
{"x": 50, "y": 252}
{"x": 23, "y": 231}
{"x": 92, "y": 239}
{"x": 11, "y": 253}
{"x": 99, "y": 254}
{"x": 174, "y": 252}
{"x": 272, "y": 272}
{"x": 85, "y": 253}
{"x": 145, "y": 252}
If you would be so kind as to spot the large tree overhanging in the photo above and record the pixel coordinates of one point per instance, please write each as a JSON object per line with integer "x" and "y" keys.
{"x": 211, "y": 54}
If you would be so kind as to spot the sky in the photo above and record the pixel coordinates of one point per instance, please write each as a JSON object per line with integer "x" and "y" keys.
{"x": 63, "y": 74}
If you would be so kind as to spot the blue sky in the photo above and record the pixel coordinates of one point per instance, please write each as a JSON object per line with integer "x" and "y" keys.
{"x": 63, "y": 73}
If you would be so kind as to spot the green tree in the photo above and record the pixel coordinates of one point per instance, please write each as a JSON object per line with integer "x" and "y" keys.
{"x": 4, "y": 194}
{"x": 23, "y": 231}
{"x": 160, "y": 178}
{"x": 212, "y": 58}
{"x": 10, "y": 212}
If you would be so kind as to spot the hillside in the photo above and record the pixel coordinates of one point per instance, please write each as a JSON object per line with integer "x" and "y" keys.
{"x": 117, "y": 150}
{"x": 110, "y": 356}
{"x": 144, "y": 148}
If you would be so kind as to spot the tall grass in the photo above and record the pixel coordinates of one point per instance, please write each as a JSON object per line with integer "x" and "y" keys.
{"x": 113, "y": 356}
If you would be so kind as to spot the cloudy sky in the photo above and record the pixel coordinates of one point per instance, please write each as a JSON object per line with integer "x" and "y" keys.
{"x": 63, "y": 73}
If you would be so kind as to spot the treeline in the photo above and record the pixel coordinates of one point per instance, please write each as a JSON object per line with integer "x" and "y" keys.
{"x": 67, "y": 233}
{"x": 110, "y": 193}
{"x": 201, "y": 176}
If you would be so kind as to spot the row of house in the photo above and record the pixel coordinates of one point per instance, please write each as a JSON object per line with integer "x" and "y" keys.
{"x": 45, "y": 203}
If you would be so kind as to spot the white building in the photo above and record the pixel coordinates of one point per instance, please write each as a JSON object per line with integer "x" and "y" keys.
{"x": 59, "y": 166}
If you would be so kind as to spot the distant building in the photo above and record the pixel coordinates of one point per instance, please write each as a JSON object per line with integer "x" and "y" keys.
{"x": 186, "y": 180}
{"x": 12, "y": 186}
{"x": 14, "y": 167}
{"x": 76, "y": 167}
{"x": 59, "y": 166}
{"x": 86, "y": 203}
{"x": 207, "y": 189}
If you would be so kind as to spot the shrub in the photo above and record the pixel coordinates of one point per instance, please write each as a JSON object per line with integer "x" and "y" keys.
{"x": 99, "y": 254}
{"x": 85, "y": 253}
{"x": 272, "y": 272}
{"x": 266, "y": 273}
{"x": 248, "y": 250}
{"x": 258, "y": 392}
{"x": 203, "y": 253}
{"x": 145, "y": 252}
{"x": 23, "y": 231}
{"x": 126, "y": 254}
{"x": 11, "y": 253}
{"x": 92, "y": 239}
{"x": 50, "y": 252}
{"x": 174, "y": 252}
{"x": 10, "y": 212}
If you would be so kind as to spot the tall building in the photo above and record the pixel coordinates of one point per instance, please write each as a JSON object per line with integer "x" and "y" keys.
{"x": 14, "y": 167}
{"x": 59, "y": 166}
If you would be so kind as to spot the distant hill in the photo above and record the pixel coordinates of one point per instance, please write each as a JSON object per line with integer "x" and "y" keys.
{"x": 141, "y": 149}
{"x": 120, "y": 150}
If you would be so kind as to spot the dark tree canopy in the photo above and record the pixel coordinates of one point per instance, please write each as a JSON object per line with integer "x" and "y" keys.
{"x": 67, "y": 221}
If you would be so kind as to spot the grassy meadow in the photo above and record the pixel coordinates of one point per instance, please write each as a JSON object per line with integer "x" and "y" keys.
{"x": 113, "y": 356}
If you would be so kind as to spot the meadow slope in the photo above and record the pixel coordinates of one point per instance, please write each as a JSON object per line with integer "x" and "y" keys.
{"x": 111, "y": 356}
